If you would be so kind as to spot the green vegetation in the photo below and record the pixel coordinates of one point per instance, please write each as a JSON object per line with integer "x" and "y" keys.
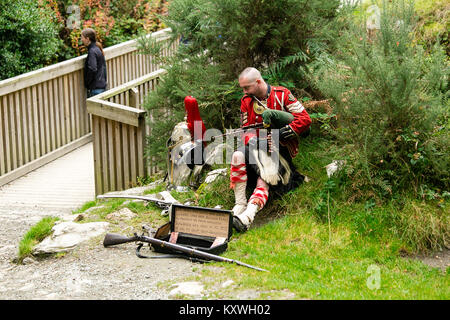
{"x": 28, "y": 37}
{"x": 302, "y": 259}
{"x": 218, "y": 40}
{"x": 36, "y": 234}
{"x": 37, "y": 33}
{"x": 392, "y": 102}
{"x": 317, "y": 245}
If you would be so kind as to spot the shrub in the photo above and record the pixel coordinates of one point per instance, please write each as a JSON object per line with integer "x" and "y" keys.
{"x": 391, "y": 98}
{"x": 219, "y": 39}
{"x": 28, "y": 37}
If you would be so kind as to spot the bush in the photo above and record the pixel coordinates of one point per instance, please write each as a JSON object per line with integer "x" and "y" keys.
{"x": 391, "y": 98}
{"x": 219, "y": 39}
{"x": 433, "y": 23}
{"x": 28, "y": 37}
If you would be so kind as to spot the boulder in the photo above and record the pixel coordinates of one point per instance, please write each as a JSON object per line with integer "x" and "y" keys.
{"x": 122, "y": 214}
{"x": 67, "y": 235}
{"x": 213, "y": 175}
{"x": 191, "y": 288}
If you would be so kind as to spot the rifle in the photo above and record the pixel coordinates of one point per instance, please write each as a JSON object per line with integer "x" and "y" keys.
{"x": 160, "y": 203}
{"x": 241, "y": 130}
{"x": 113, "y": 239}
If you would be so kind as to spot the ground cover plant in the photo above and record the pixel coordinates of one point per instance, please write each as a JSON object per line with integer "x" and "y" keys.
{"x": 36, "y": 234}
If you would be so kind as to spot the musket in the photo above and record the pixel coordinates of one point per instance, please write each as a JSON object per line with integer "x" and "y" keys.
{"x": 160, "y": 203}
{"x": 241, "y": 130}
{"x": 113, "y": 239}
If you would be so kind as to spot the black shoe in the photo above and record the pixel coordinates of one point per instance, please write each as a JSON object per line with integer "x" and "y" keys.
{"x": 238, "y": 225}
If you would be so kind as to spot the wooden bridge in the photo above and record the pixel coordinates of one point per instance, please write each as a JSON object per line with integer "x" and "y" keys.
{"x": 44, "y": 115}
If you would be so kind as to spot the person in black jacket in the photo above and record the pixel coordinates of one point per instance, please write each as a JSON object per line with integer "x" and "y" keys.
{"x": 95, "y": 64}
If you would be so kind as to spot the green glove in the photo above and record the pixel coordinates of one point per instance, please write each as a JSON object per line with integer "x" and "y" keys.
{"x": 277, "y": 119}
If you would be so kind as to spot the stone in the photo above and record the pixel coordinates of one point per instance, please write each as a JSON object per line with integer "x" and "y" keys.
{"x": 28, "y": 260}
{"x": 166, "y": 196}
{"x": 213, "y": 175}
{"x": 122, "y": 214}
{"x": 67, "y": 235}
{"x": 191, "y": 288}
{"x": 334, "y": 166}
{"x": 227, "y": 283}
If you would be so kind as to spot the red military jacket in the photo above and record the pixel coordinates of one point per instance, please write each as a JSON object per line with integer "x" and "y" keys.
{"x": 282, "y": 99}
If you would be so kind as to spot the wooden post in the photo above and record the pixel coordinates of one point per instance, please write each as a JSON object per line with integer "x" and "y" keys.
{"x": 133, "y": 95}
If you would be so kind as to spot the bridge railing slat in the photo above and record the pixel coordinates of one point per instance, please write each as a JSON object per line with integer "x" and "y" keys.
{"x": 119, "y": 129}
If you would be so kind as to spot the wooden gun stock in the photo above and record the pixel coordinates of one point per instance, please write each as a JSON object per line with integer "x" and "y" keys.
{"x": 112, "y": 239}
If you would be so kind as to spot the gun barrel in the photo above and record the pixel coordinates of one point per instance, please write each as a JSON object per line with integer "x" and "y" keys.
{"x": 134, "y": 197}
{"x": 193, "y": 252}
{"x": 112, "y": 239}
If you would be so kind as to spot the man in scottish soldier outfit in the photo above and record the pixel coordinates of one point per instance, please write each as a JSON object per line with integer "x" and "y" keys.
{"x": 251, "y": 166}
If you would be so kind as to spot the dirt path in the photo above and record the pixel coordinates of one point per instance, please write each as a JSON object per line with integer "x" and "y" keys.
{"x": 89, "y": 272}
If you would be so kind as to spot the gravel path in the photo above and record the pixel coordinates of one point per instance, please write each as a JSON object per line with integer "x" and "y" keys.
{"x": 89, "y": 272}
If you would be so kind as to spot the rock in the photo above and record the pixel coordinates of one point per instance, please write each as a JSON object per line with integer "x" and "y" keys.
{"x": 67, "y": 235}
{"x": 227, "y": 283}
{"x": 334, "y": 166}
{"x": 122, "y": 214}
{"x": 191, "y": 288}
{"x": 28, "y": 260}
{"x": 94, "y": 208}
{"x": 166, "y": 196}
{"x": 71, "y": 218}
{"x": 213, "y": 175}
{"x": 182, "y": 189}
{"x": 79, "y": 217}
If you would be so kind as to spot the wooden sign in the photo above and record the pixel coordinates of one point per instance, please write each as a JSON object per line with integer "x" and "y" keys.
{"x": 201, "y": 221}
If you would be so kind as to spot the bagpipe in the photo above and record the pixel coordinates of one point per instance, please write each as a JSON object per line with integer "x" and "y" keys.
{"x": 191, "y": 153}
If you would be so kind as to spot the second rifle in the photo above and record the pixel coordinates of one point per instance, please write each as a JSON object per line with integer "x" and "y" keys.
{"x": 113, "y": 239}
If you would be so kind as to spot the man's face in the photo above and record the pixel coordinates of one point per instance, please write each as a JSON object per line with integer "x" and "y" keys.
{"x": 250, "y": 87}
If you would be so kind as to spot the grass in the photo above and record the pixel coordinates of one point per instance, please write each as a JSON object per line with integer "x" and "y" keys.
{"x": 36, "y": 234}
{"x": 297, "y": 251}
{"x": 316, "y": 244}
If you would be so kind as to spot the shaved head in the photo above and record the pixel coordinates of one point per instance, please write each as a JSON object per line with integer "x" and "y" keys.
{"x": 252, "y": 83}
{"x": 251, "y": 74}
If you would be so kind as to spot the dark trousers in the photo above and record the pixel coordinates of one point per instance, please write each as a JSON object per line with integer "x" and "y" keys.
{"x": 93, "y": 92}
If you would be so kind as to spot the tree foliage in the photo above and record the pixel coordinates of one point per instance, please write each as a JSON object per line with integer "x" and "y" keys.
{"x": 114, "y": 21}
{"x": 391, "y": 98}
{"x": 28, "y": 37}
{"x": 219, "y": 39}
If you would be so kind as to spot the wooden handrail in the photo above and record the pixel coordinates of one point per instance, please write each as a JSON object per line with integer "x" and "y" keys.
{"x": 119, "y": 131}
{"x": 115, "y": 111}
{"x": 131, "y": 84}
{"x": 59, "y": 69}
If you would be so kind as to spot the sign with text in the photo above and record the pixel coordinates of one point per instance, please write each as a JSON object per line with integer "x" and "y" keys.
{"x": 201, "y": 221}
